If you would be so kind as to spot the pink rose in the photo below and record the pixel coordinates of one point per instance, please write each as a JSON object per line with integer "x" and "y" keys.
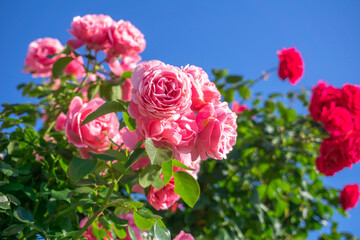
{"x": 76, "y": 67}
{"x": 36, "y": 61}
{"x": 351, "y": 96}
{"x": 140, "y": 163}
{"x": 179, "y": 135}
{"x": 89, "y": 235}
{"x": 131, "y": 223}
{"x": 125, "y": 39}
{"x": 217, "y": 131}
{"x": 164, "y": 197}
{"x": 237, "y": 107}
{"x": 159, "y": 91}
{"x": 60, "y": 122}
{"x": 184, "y": 236}
{"x": 90, "y": 136}
{"x": 128, "y": 63}
{"x": 337, "y": 121}
{"x": 203, "y": 91}
{"x": 323, "y": 96}
{"x": 187, "y": 160}
{"x": 332, "y": 158}
{"x": 91, "y": 30}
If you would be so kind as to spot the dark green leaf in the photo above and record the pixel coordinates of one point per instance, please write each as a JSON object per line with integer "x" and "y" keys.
{"x": 13, "y": 229}
{"x": 234, "y": 79}
{"x": 79, "y": 168}
{"x": 245, "y": 92}
{"x": 23, "y": 215}
{"x": 119, "y": 222}
{"x": 60, "y": 65}
{"x": 4, "y": 202}
{"x": 134, "y": 157}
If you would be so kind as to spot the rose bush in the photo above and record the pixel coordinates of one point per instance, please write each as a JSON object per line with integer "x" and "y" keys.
{"x": 129, "y": 149}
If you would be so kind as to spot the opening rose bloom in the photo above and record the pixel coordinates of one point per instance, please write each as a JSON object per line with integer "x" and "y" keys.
{"x": 349, "y": 196}
{"x": 291, "y": 65}
{"x": 217, "y": 131}
{"x": 125, "y": 39}
{"x": 184, "y": 236}
{"x": 164, "y": 197}
{"x": 91, "y": 136}
{"x": 159, "y": 91}
{"x": 36, "y": 61}
{"x": 91, "y": 30}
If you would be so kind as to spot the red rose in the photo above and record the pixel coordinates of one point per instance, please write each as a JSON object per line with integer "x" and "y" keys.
{"x": 349, "y": 196}
{"x": 351, "y": 147}
{"x": 338, "y": 121}
{"x": 323, "y": 96}
{"x": 332, "y": 158}
{"x": 291, "y": 65}
{"x": 351, "y": 98}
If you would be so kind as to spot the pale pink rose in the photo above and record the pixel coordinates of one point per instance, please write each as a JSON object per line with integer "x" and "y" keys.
{"x": 140, "y": 163}
{"x": 128, "y": 138}
{"x": 179, "y": 135}
{"x": 125, "y": 39}
{"x": 2, "y": 156}
{"x": 217, "y": 133}
{"x": 76, "y": 67}
{"x": 160, "y": 91}
{"x": 203, "y": 91}
{"x": 128, "y": 63}
{"x": 184, "y": 236}
{"x": 89, "y": 235}
{"x": 90, "y": 136}
{"x": 164, "y": 197}
{"x": 60, "y": 122}
{"x": 36, "y": 61}
{"x": 131, "y": 223}
{"x": 237, "y": 107}
{"x": 55, "y": 84}
{"x": 91, "y": 30}
{"x": 126, "y": 90}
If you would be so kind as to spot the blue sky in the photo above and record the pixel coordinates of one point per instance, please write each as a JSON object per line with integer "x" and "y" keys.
{"x": 242, "y": 36}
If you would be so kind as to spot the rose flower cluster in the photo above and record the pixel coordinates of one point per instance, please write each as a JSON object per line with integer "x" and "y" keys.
{"x": 180, "y": 109}
{"x": 291, "y": 65}
{"x": 339, "y": 112}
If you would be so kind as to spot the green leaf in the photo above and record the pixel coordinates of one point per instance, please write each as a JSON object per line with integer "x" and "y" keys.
{"x": 245, "y": 92}
{"x": 157, "y": 155}
{"x": 177, "y": 163}
{"x": 219, "y": 73}
{"x": 119, "y": 222}
{"x": 23, "y": 215}
{"x": 4, "y": 202}
{"x": 143, "y": 223}
{"x": 110, "y": 92}
{"x": 84, "y": 190}
{"x": 108, "y": 107}
{"x": 79, "y": 168}
{"x": 93, "y": 90}
{"x": 60, "y": 195}
{"x": 131, "y": 233}
{"x": 120, "y": 232}
{"x": 151, "y": 175}
{"x": 121, "y": 211}
{"x": 13, "y": 229}
{"x": 167, "y": 170}
{"x": 129, "y": 121}
{"x": 186, "y": 187}
{"x": 119, "y": 155}
{"x": 126, "y": 74}
{"x": 13, "y": 199}
{"x": 134, "y": 157}
{"x": 103, "y": 156}
{"x": 234, "y": 79}
{"x": 60, "y": 65}
{"x": 161, "y": 233}
{"x": 255, "y": 198}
